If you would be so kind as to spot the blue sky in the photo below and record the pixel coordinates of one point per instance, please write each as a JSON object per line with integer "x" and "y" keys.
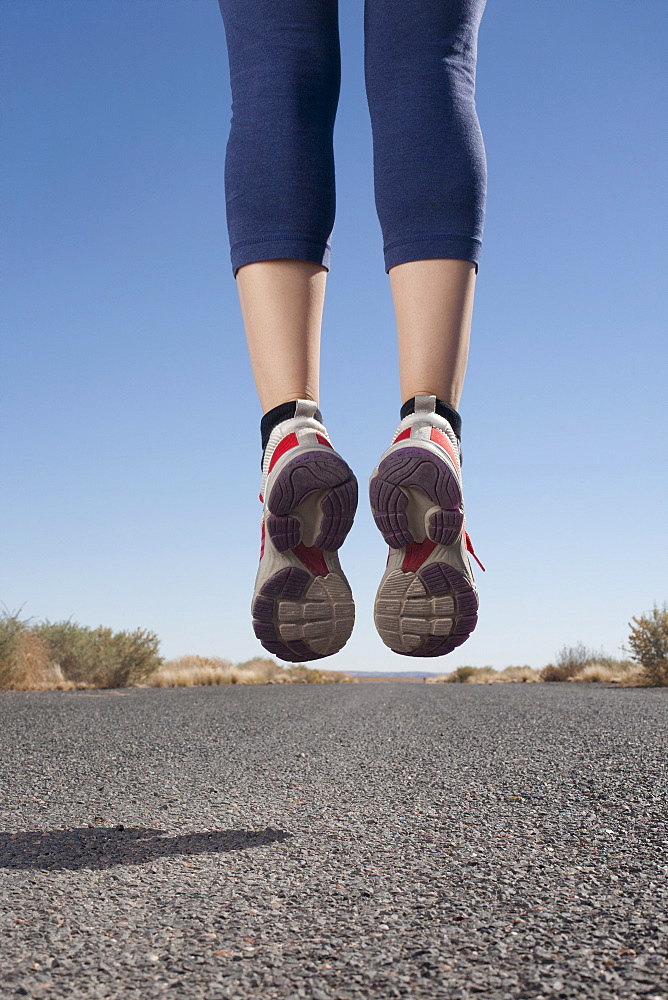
{"x": 130, "y": 442}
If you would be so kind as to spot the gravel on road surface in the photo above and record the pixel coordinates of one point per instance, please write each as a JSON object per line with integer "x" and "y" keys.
{"x": 336, "y": 842}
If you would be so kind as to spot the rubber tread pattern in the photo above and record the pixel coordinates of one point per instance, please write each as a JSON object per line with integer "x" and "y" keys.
{"x": 304, "y": 475}
{"x": 417, "y": 468}
{"x": 285, "y": 532}
{"x": 299, "y": 618}
{"x": 305, "y": 614}
{"x": 428, "y": 613}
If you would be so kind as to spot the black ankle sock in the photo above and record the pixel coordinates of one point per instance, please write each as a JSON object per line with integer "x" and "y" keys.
{"x": 443, "y": 410}
{"x": 276, "y": 416}
{"x": 273, "y": 417}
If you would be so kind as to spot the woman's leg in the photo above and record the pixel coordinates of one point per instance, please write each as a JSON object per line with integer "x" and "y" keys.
{"x": 430, "y": 176}
{"x": 281, "y": 304}
{"x": 430, "y": 179}
{"x": 279, "y": 185}
{"x": 279, "y": 182}
{"x": 433, "y": 304}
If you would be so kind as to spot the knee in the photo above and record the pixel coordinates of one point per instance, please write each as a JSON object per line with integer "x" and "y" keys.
{"x": 292, "y": 73}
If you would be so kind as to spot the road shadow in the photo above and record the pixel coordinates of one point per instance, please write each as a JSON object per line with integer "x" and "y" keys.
{"x": 105, "y": 847}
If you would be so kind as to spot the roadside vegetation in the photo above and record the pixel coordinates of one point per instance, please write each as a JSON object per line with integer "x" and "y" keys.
{"x": 64, "y": 655}
{"x": 486, "y": 675}
{"x": 595, "y": 667}
{"x": 646, "y": 666}
{"x": 649, "y": 644}
{"x": 647, "y": 662}
{"x": 189, "y": 671}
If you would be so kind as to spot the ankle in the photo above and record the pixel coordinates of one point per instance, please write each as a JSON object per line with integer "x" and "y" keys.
{"x": 428, "y": 403}
{"x": 287, "y": 411}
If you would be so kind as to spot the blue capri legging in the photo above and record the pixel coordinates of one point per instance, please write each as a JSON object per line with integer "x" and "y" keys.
{"x": 428, "y": 154}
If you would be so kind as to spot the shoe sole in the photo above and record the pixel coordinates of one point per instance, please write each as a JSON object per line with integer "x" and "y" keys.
{"x": 428, "y": 607}
{"x": 305, "y": 610}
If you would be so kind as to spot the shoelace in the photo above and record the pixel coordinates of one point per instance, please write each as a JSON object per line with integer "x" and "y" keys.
{"x": 469, "y": 546}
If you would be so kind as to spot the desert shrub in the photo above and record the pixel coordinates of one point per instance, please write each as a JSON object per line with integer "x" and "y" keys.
{"x": 25, "y": 664}
{"x": 99, "y": 656}
{"x": 518, "y": 674}
{"x": 649, "y": 644}
{"x": 486, "y": 675}
{"x": 607, "y": 670}
{"x": 464, "y": 675}
{"x": 12, "y": 631}
{"x": 570, "y": 661}
{"x": 578, "y": 663}
{"x": 71, "y": 647}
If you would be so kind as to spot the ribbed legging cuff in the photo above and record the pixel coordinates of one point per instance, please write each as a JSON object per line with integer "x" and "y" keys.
{"x": 275, "y": 247}
{"x": 431, "y": 248}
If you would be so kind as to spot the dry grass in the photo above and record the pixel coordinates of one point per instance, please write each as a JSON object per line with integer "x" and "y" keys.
{"x": 514, "y": 675}
{"x": 487, "y": 675}
{"x": 192, "y": 671}
{"x": 196, "y": 671}
{"x": 30, "y": 667}
{"x": 612, "y": 672}
{"x": 66, "y": 656}
{"x": 34, "y": 671}
{"x": 603, "y": 670}
{"x": 596, "y": 669}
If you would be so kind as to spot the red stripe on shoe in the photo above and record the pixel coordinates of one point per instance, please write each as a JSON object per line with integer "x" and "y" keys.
{"x": 403, "y": 435}
{"x": 262, "y": 541}
{"x": 469, "y": 546}
{"x": 323, "y": 440}
{"x": 440, "y": 438}
{"x": 416, "y": 555}
{"x": 312, "y": 558}
{"x": 288, "y": 442}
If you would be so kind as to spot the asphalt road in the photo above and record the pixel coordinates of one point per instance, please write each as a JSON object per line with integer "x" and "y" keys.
{"x": 336, "y": 842}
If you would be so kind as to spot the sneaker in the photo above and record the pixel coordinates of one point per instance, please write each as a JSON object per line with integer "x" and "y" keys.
{"x": 427, "y": 601}
{"x": 302, "y": 604}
